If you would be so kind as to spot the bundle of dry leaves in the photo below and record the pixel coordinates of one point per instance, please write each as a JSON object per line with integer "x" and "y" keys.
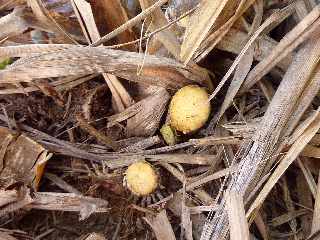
{"x": 84, "y": 92}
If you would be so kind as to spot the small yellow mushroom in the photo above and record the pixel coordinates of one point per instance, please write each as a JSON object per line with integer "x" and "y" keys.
{"x": 168, "y": 134}
{"x": 189, "y": 109}
{"x": 141, "y": 178}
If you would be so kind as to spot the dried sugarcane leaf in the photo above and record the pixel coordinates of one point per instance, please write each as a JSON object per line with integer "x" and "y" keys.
{"x": 158, "y": 71}
{"x": 160, "y": 225}
{"x": 258, "y": 158}
{"x": 69, "y": 202}
{"x": 32, "y": 49}
{"x": 289, "y": 205}
{"x": 286, "y": 161}
{"x": 62, "y": 184}
{"x": 311, "y": 151}
{"x": 22, "y": 198}
{"x": 142, "y": 144}
{"x": 104, "y": 139}
{"x": 239, "y": 228}
{"x": 10, "y": 4}
{"x": 217, "y": 34}
{"x": 144, "y": 116}
{"x": 7, "y": 197}
{"x": 201, "y": 22}
{"x": 59, "y": 85}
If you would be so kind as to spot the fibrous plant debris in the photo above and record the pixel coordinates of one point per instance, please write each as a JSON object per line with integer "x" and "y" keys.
{"x": 86, "y": 91}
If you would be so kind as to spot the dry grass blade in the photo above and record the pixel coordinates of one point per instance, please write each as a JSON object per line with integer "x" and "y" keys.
{"x": 85, "y": 17}
{"x": 245, "y": 64}
{"x": 160, "y": 225}
{"x": 87, "y": 60}
{"x": 200, "y": 193}
{"x": 211, "y": 177}
{"x": 290, "y": 207}
{"x": 62, "y": 184}
{"x": 239, "y": 228}
{"x": 59, "y": 85}
{"x": 286, "y": 161}
{"x": 5, "y": 236}
{"x": 239, "y": 76}
{"x": 309, "y": 93}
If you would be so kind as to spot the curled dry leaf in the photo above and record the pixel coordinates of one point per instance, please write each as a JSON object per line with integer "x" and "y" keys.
{"x": 22, "y": 159}
{"x": 161, "y": 226}
{"x": 144, "y": 116}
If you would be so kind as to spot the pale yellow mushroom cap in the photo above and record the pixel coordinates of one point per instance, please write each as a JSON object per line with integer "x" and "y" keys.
{"x": 189, "y": 109}
{"x": 141, "y": 178}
